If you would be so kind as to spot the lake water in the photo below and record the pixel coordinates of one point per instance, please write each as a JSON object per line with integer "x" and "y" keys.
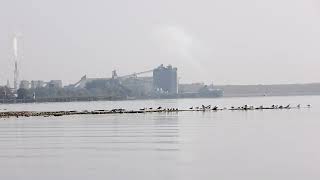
{"x": 268, "y": 144}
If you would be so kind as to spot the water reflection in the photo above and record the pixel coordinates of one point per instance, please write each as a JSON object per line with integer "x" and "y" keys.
{"x": 118, "y": 133}
{"x": 186, "y": 145}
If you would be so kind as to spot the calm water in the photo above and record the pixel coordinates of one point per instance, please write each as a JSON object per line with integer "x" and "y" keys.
{"x": 270, "y": 144}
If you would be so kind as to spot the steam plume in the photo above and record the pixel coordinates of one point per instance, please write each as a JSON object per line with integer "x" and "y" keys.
{"x": 15, "y": 47}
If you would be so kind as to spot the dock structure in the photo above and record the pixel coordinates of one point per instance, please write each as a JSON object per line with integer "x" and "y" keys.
{"x": 202, "y": 108}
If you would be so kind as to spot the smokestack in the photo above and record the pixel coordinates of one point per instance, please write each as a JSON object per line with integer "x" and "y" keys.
{"x": 16, "y": 76}
{"x": 16, "y": 70}
{"x": 8, "y": 84}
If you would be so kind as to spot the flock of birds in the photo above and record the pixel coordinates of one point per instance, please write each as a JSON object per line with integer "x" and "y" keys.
{"x": 216, "y": 108}
{"x": 159, "y": 109}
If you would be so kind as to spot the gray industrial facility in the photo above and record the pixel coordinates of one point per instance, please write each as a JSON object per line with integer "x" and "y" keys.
{"x": 159, "y": 82}
{"x": 165, "y": 80}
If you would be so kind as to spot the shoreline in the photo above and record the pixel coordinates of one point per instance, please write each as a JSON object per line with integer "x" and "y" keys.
{"x": 91, "y": 99}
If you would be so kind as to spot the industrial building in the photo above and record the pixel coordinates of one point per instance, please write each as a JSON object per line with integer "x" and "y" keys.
{"x": 139, "y": 86}
{"x": 190, "y": 88}
{"x": 54, "y": 84}
{"x": 37, "y": 84}
{"x": 24, "y": 84}
{"x": 195, "y": 90}
{"x": 165, "y": 80}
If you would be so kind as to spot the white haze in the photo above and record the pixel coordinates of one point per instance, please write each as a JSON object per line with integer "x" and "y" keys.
{"x": 219, "y": 41}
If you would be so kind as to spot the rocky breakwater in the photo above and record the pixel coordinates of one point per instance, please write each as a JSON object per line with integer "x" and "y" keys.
{"x": 204, "y": 108}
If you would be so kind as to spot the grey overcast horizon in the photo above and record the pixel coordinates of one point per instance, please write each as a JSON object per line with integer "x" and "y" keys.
{"x": 211, "y": 41}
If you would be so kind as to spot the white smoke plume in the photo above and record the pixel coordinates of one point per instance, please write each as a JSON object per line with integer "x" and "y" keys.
{"x": 15, "y": 44}
{"x": 181, "y": 45}
{"x": 15, "y": 47}
{"x": 175, "y": 40}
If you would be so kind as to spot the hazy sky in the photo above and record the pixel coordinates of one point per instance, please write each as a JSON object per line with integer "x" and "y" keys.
{"x": 219, "y": 41}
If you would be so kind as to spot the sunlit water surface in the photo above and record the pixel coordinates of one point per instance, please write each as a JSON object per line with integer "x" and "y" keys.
{"x": 269, "y": 144}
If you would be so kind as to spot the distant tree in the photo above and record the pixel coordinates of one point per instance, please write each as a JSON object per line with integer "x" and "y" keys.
{"x": 23, "y": 94}
{"x": 6, "y": 93}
